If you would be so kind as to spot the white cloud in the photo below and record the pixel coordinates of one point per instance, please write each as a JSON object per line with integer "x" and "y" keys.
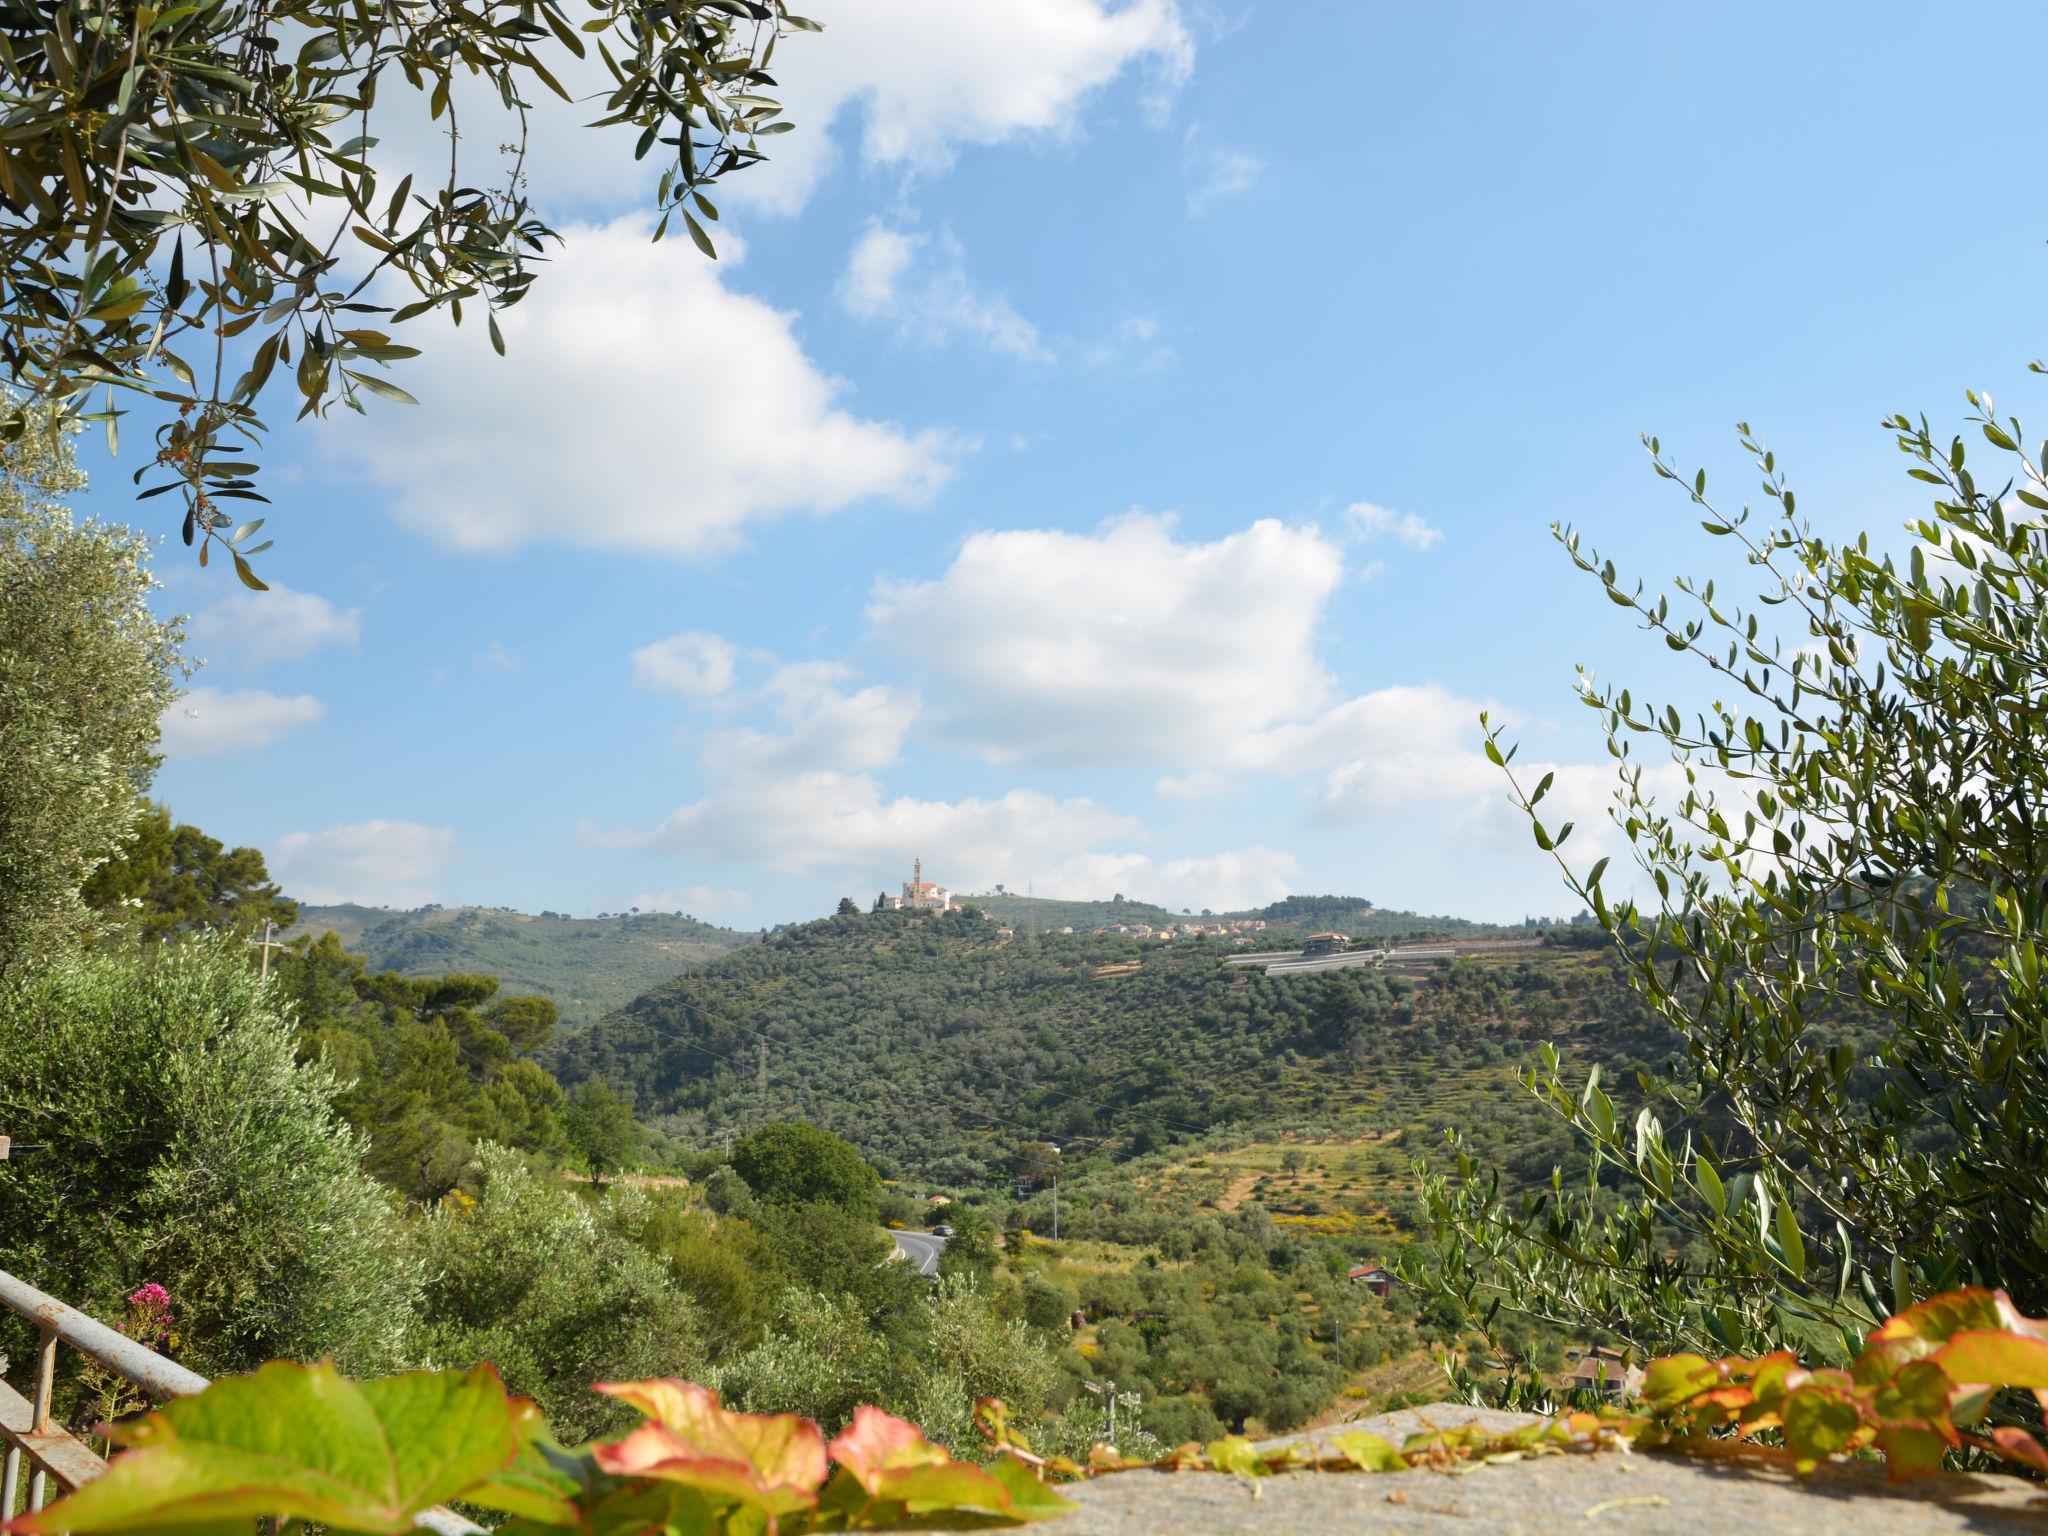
{"x": 254, "y": 629}
{"x": 1250, "y": 877}
{"x": 699, "y": 901}
{"x": 1132, "y": 345}
{"x": 824, "y": 820}
{"x": 1371, "y": 522}
{"x": 692, "y": 663}
{"x": 1122, "y": 644}
{"x": 1215, "y": 174}
{"x": 1581, "y": 794}
{"x": 921, "y": 283}
{"x": 931, "y": 77}
{"x": 1395, "y": 746}
{"x": 869, "y": 286}
{"x": 377, "y": 863}
{"x": 643, "y": 406}
{"x": 824, "y": 726}
{"x": 213, "y": 722}
{"x": 1202, "y": 784}
{"x": 499, "y": 657}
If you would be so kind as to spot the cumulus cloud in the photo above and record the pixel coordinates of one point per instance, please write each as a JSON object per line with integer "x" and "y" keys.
{"x": 215, "y": 722}
{"x": 616, "y": 448}
{"x": 1403, "y": 745}
{"x": 871, "y": 285}
{"x": 1371, "y": 522}
{"x": 826, "y": 820}
{"x": 1249, "y": 877}
{"x": 255, "y": 629}
{"x": 824, "y": 725}
{"x": 692, "y": 663}
{"x": 805, "y": 798}
{"x": 920, "y": 283}
{"x": 1122, "y": 644}
{"x": 376, "y": 863}
{"x": 931, "y": 77}
{"x": 915, "y": 81}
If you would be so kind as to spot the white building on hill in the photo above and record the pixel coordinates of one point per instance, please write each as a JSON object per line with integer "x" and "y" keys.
{"x": 920, "y": 894}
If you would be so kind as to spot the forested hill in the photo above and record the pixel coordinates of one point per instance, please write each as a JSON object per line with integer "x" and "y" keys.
{"x": 939, "y": 1048}
{"x": 586, "y": 965}
{"x": 1296, "y": 914}
{"x": 1362, "y": 920}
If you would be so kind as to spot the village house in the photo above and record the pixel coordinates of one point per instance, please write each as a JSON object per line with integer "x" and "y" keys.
{"x": 1373, "y": 1277}
{"x": 1607, "y": 1372}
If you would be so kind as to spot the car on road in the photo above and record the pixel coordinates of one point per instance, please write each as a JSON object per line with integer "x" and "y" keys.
{"x": 943, "y": 1229}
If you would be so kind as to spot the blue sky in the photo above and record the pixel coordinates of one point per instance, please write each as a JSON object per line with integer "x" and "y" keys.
{"x": 1116, "y": 453}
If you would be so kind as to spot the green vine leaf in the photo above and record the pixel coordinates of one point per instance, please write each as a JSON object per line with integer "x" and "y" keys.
{"x": 302, "y": 1443}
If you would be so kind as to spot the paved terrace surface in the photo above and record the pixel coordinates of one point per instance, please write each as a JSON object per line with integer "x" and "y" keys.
{"x": 1639, "y": 1495}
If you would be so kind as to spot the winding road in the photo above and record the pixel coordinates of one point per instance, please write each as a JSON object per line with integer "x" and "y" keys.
{"x": 921, "y": 1249}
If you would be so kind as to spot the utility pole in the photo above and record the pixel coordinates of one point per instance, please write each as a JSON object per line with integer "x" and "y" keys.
{"x": 267, "y": 944}
{"x": 762, "y": 1084}
{"x": 1108, "y": 1393}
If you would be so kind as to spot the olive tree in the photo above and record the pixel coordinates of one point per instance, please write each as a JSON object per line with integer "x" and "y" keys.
{"x": 189, "y": 1147}
{"x": 195, "y": 204}
{"x": 1842, "y": 893}
{"x": 85, "y": 670}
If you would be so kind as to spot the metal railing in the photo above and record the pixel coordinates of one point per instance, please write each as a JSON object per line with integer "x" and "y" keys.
{"x": 52, "y": 1452}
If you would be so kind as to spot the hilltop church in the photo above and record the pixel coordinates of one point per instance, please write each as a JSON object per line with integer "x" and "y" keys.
{"x": 919, "y": 894}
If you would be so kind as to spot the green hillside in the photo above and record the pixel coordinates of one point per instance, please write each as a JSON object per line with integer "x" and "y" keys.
{"x": 1360, "y": 919}
{"x": 1051, "y": 913}
{"x": 588, "y": 966}
{"x": 940, "y": 1049}
{"x": 1295, "y": 915}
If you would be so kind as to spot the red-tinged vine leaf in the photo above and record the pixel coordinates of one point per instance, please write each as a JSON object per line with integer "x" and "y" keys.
{"x": 1980, "y": 1358}
{"x": 1675, "y": 1380}
{"x": 1368, "y": 1452}
{"x": 893, "y": 1461}
{"x": 1917, "y": 1395}
{"x": 1820, "y": 1420}
{"x": 1935, "y": 1321}
{"x": 774, "y": 1462}
{"x": 299, "y": 1441}
{"x": 877, "y": 1444}
{"x": 1775, "y": 1377}
{"x": 1913, "y": 1451}
{"x": 2021, "y": 1446}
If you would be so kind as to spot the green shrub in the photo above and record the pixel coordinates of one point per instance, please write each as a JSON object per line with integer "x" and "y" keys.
{"x": 796, "y": 1163}
{"x": 552, "y": 1290}
{"x": 822, "y": 1357}
{"x": 189, "y": 1147}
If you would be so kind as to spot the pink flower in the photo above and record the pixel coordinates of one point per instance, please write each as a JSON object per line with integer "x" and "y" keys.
{"x": 150, "y": 1298}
